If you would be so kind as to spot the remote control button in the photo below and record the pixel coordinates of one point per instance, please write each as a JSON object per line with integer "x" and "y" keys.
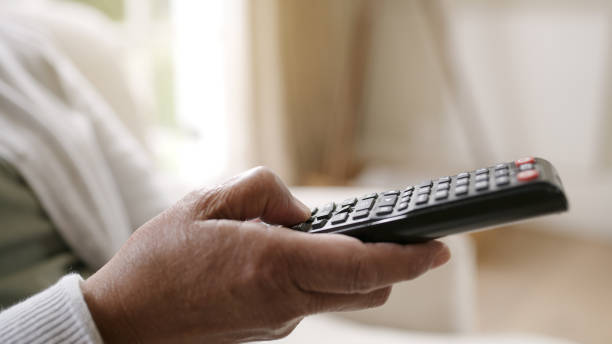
{"x": 361, "y": 214}
{"x": 461, "y": 190}
{"x": 527, "y": 160}
{"x": 349, "y": 202}
{"x": 373, "y": 195}
{"x": 443, "y": 186}
{"x": 387, "y": 201}
{"x": 391, "y": 193}
{"x": 319, "y": 223}
{"x": 407, "y": 192}
{"x": 503, "y": 180}
{"x": 314, "y": 211}
{"x": 424, "y": 190}
{"x": 481, "y": 177}
{"x": 302, "y": 227}
{"x": 463, "y": 175}
{"x": 310, "y": 219}
{"x": 481, "y": 185}
{"x": 442, "y": 194}
{"x": 501, "y": 167}
{"x": 324, "y": 214}
{"x": 482, "y": 171}
{"x": 339, "y": 218}
{"x": 527, "y": 175}
{"x": 405, "y": 199}
{"x": 425, "y": 184}
{"x": 462, "y": 181}
{"x": 344, "y": 209}
{"x": 402, "y": 206}
{"x": 326, "y": 210}
{"x": 385, "y": 210}
{"x": 365, "y": 204}
{"x": 422, "y": 199}
{"x": 329, "y": 207}
{"x": 444, "y": 180}
{"x": 525, "y": 167}
{"x": 502, "y": 172}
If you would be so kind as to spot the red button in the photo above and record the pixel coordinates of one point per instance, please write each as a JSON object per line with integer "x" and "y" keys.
{"x": 527, "y": 160}
{"x": 527, "y": 175}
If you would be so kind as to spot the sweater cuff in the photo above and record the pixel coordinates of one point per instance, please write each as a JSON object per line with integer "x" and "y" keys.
{"x": 56, "y": 315}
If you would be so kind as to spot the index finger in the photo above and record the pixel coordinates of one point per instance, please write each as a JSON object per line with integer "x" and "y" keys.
{"x": 335, "y": 263}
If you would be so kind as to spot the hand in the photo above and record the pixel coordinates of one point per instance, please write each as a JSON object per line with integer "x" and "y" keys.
{"x": 200, "y": 273}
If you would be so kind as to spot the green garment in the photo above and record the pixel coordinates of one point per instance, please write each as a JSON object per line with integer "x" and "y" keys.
{"x": 32, "y": 253}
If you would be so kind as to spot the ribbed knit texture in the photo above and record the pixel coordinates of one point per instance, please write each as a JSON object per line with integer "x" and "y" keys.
{"x": 56, "y": 315}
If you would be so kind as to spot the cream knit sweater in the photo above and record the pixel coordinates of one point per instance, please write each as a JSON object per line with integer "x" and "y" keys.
{"x": 58, "y": 314}
{"x": 90, "y": 174}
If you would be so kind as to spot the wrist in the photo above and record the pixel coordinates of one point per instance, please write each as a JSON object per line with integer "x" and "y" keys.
{"x": 108, "y": 311}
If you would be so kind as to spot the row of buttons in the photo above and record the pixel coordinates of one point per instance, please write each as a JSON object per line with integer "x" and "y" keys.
{"x": 358, "y": 209}
{"x": 527, "y": 169}
{"x": 362, "y": 208}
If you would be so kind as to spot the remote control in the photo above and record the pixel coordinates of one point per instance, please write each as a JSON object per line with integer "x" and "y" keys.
{"x": 467, "y": 201}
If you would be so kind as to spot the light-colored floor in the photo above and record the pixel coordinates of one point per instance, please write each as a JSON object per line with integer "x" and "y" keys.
{"x": 539, "y": 282}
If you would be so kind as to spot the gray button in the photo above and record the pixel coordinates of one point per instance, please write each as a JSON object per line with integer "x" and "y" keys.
{"x": 424, "y": 190}
{"x": 442, "y": 194}
{"x": 502, "y": 180}
{"x": 361, "y": 214}
{"x": 481, "y": 177}
{"x": 366, "y": 204}
{"x": 461, "y": 190}
{"x": 422, "y": 199}
{"x": 444, "y": 180}
{"x": 384, "y": 210}
{"x": 402, "y": 206}
{"x": 503, "y": 172}
{"x": 482, "y": 185}
{"x": 443, "y": 186}
{"x": 339, "y": 218}
{"x": 462, "y": 181}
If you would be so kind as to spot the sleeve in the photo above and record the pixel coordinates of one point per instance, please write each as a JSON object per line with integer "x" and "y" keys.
{"x": 56, "y": 315}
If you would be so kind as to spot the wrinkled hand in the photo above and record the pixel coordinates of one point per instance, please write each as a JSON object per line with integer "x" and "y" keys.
{"x": 200, "y": 273}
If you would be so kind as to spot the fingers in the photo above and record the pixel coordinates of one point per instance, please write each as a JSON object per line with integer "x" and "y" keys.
{"x": 324, "y": 302}
{"x": 340, "y": 264}
{"x": 257, "y": 193}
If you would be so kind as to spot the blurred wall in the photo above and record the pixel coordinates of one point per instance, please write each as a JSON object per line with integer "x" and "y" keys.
{"x": 536, "y": 74}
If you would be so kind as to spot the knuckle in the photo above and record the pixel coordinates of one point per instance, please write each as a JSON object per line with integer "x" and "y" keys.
{"x": 263, "y": 173}
{"x": 207, "y": 202}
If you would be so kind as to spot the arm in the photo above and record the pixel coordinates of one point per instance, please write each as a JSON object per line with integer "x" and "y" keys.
{"x": 200, "y": 273}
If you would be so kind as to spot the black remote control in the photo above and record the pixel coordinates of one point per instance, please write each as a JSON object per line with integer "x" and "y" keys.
{"x": 485, "y": 197}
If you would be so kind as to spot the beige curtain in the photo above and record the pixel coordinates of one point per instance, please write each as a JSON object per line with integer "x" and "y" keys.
{"x": 308, "y": 67}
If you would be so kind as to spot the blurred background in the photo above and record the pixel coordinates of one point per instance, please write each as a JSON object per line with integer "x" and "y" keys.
{"x": 359, "y": 93}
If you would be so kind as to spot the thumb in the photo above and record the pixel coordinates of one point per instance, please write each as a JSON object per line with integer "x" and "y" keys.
{"x": 256, "y": 193}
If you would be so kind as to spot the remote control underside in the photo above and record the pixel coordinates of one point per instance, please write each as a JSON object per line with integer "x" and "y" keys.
{"x": 486, "y": 197}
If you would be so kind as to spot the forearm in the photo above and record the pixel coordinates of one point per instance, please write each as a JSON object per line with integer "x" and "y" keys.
{"x": 58, "y": 314}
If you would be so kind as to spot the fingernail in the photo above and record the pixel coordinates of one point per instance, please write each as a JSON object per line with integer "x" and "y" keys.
{"x": 302, "y": 206}
{"x": 441, "y": 257}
